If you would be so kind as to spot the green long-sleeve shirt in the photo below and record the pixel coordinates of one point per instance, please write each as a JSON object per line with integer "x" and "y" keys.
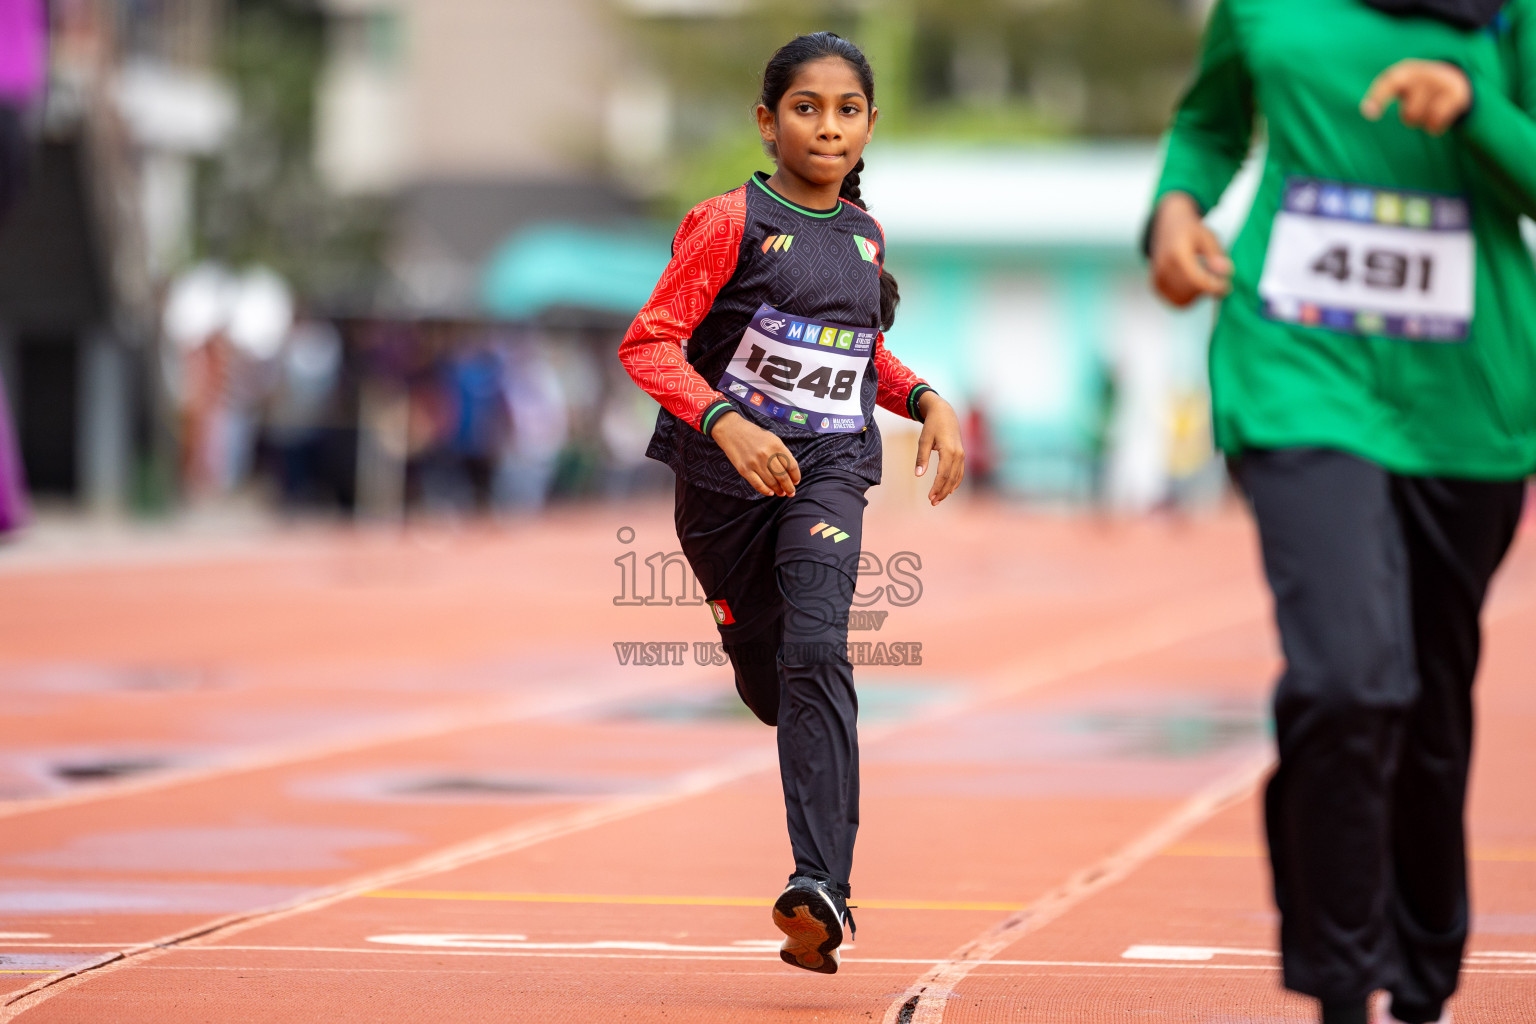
{"x": 1383, "y": 301}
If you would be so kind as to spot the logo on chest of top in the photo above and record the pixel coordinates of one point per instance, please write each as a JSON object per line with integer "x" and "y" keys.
{"x": 778, "y": 243}
{"x": 837, "y": 337}
{"x": 868, "y": 250}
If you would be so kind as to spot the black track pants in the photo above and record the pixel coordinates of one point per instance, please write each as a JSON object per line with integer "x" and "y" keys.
{"x": 781, "y": 571}
{"x": 1378, "y": 581}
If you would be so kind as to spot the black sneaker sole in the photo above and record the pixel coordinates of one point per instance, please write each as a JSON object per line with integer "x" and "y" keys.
{"x": 814, "y": 932}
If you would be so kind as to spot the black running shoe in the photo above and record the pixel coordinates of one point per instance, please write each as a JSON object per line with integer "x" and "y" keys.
{"x": 811, "y": 913}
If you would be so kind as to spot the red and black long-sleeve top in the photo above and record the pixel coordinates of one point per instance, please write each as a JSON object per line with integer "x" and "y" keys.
{"x": 732, "y": 254}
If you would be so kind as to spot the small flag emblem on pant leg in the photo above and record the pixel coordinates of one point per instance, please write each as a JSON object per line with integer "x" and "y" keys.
{"x": 722, "y": 613}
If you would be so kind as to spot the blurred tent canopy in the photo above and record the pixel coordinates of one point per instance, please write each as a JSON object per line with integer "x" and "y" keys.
{"x": 567, "y": 266}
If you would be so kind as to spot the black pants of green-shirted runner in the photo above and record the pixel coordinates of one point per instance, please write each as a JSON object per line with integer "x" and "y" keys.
{"x": 1379, "y": 582}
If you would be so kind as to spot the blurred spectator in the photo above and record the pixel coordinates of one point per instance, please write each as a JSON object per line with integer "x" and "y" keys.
{"x": 472, "y": 427}
{"x": 454, "y": 416}
{"x": 228, "y": 331}
{"x": 629, "y": 416}
{"x": 23, "y": 59}
{"x": 301, "y": 418}
{"x": 204, "y": 370}
{"x": 540, "y": 409}
{"x": 980, "y": 448}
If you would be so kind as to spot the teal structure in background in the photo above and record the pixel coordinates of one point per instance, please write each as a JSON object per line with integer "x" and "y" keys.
{"x": 1019, "y": 336}
{"x": 556, "y": 266}
{"x": 1027, "y": 300}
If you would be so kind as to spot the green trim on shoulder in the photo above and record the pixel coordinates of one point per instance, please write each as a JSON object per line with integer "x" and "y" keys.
{"x": 912, "y": 397}
{"x": 711, "y": 414}
{"x": 822, "y": 214}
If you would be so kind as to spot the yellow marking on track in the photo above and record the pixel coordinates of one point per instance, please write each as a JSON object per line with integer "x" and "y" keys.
{"x": 672, "y": 901}
{"x": 937, "y": 905}
{"x": 1214, "y": 850}
{"x": 1484, "y": 854}
{"x": 1505, "y": 853}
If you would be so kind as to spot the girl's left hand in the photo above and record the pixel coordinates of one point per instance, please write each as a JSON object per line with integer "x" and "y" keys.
{"x": 1430, "y": 94}
{"x": 941, "y": 433}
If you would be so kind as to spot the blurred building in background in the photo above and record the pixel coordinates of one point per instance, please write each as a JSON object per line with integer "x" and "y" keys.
{"x": 478, "y": 117}
{"x": 375, "y": 255}
{"x": 131, "y": 103}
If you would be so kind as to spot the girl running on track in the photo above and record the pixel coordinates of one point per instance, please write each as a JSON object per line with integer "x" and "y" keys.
{"x": 1373, "y": 373}
{"x": 764, "y": 344}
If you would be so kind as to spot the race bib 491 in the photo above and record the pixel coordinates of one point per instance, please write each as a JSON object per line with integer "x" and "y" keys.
{"x": 803, "y": 372}
{"x": 1370, "y": 261}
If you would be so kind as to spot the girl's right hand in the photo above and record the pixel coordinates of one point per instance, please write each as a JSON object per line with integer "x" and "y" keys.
{"x": 1187, "y": 258}
{"x": 758, "y": 455}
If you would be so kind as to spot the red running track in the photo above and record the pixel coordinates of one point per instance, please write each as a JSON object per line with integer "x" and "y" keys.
{"x": 390, "y": 778}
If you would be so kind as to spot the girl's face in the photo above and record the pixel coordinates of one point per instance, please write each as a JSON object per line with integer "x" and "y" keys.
{"x": 823, "y": 123}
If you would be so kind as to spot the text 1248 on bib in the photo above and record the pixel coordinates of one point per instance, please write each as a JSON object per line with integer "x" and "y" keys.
{"x": 802, "y": 372}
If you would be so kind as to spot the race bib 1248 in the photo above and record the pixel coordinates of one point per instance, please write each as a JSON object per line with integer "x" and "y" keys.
{"x": 802, "y": 372}
{"x": 1370, "y": 261}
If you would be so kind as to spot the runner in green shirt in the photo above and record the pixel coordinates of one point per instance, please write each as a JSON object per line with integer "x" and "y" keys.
{"x": 1373, "y": 376}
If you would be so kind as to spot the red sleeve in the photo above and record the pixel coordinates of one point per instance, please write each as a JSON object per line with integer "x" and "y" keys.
{"x": 899, "y": 388}
{"x": 703, "y": 259}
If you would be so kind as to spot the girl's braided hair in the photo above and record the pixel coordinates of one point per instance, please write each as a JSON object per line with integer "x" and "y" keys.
{"x": 777, "y": 78}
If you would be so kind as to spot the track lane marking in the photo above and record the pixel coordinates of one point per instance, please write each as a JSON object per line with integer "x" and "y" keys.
{"x": 1232, "y": 604}
{"x": 924, "y": 1001}
{"x": 405, "y": 728}
{"x": 1166, "y": 625}
{"x": 670, "y": 901}
{"x": 1162, "y": 626}
{"x": 1252, "y": 851}
{"x": 458, "y": 855}
{"x": 747, "y": 956}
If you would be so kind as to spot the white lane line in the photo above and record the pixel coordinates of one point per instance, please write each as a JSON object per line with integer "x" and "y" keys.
{"x": 460, "y": 941}
{"x": 746, "y": 956}
{"x": 749, "y": 949}
{"x": 1160, "y": 627}
{"x": 924, "y": 1001}
{"x": 412, "y": 726}
{"x": 1149, "y": 952}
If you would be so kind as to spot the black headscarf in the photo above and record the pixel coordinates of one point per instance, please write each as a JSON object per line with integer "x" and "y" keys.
{"x": 1461, "y": 13}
